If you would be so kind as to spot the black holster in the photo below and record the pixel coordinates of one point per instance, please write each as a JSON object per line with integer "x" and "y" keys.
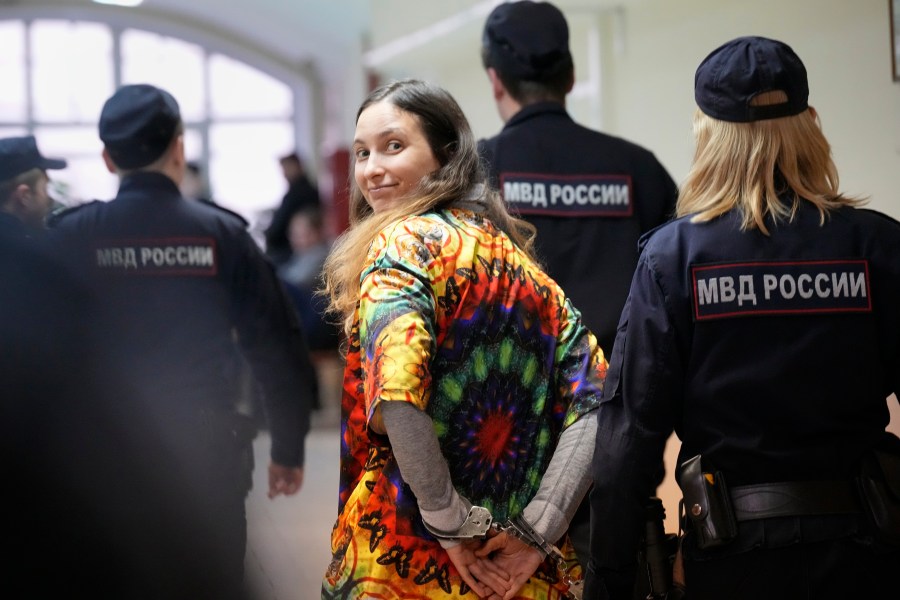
{"x": 706, "y": 507}
{"x": 231, "y": 436}
{"x": 243, "y": 430}
{"x": 656, "y": 557}
{"x": 879, "y": 487}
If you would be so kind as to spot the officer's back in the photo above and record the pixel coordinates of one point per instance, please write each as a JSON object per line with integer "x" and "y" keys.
{"x": 180, "y": 279}
{"x": 762, "y": 327}
{"x": 590, "y": 195}
{"x": 182, "y": 286}
{"x": 755, "y": 367}
{"x": 171, "y": 272}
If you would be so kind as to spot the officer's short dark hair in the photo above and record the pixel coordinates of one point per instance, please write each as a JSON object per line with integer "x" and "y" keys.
{"x": 137, "y": 125}
{"x": 527, "y": 44}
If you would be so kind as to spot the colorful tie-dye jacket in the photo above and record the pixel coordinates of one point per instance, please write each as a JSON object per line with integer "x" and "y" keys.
{"x": 458, "y": 321}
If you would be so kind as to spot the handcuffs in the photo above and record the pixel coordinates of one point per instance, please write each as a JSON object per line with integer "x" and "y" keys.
{"x": 479, "y": 520}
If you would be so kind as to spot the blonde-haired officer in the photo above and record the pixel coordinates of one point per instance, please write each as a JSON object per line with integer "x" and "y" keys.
{"x": 762, "y": 326}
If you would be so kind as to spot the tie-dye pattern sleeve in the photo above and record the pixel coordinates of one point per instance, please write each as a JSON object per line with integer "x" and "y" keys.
{"x": 397, "y": 320}
{"x": 581, "y": 366}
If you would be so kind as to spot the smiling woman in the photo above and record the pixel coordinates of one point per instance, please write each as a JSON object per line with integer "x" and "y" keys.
{"x": 470, "y": 382}
{"x": 392, "y": 155}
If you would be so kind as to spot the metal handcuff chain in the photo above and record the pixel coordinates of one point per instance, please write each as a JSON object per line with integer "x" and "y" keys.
{"x": 522, "y": 529}
{"x": 479, "y": 520}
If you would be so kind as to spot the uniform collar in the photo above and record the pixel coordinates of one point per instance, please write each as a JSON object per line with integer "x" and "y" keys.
{"x": 533, "y": 110}
{"x": 148, "y": 180}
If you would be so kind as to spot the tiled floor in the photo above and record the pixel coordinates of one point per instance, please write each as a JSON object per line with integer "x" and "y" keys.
{"x": 288, "y": 539}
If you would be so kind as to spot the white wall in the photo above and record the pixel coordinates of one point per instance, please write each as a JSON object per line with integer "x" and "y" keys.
{"x": 649, "y": 50}
{"x": 846, "y": 49}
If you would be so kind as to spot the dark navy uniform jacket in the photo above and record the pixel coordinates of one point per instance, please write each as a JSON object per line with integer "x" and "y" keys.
{"x": 180, "y": 281}
{"x": 46, "y": 449}
{"x": 772, "y": 357}
{"x": 590, "y": 195}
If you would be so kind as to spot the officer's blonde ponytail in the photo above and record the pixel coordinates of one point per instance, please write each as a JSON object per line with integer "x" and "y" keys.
{"x": 755, "y": 167}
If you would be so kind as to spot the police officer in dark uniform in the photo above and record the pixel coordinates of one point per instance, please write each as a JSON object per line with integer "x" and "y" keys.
{"x": 51, "y": 413}
{"x": 24, "y": 200}
{"x": 762, "y": 326}
{"x": 590, "y": 195}
{"x": 180, "y": 283}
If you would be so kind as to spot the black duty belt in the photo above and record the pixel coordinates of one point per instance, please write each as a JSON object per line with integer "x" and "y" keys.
{"x": 794, "y": 498}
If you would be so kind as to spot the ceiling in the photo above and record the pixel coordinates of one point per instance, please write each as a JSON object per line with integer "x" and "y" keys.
{"x": 327, "y": 35}
{"x": 294, "y": 33}
{"x": 328, "y": 43}
{"x": 319, "y": 32}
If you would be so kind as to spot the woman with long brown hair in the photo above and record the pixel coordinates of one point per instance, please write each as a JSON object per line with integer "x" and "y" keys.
{"x": 470, "y": 381}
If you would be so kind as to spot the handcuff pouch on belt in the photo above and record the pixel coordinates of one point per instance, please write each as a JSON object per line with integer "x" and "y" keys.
{"x": 706, "y": 504}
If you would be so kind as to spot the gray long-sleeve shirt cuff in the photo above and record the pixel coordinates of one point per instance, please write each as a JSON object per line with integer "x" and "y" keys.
{"x": 424, "y": 469}
{"x": 566, "y": 480}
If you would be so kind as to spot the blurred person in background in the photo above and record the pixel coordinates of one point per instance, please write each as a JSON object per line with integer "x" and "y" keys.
{"x": 301, "y": 193}
{"x": 24, "y": 198}
{"x": 194, "y": 185}
{"x": 59, "y": 451}
{"x": 302, "y": 274}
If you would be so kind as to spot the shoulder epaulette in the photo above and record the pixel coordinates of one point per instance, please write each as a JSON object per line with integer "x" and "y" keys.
{"x": 221, "y": 208}
{"x": 61, "y": 213}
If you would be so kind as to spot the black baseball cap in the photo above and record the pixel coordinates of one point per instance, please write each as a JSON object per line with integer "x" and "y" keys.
{"x": 21, "y": 154}
{"x": 527, "y": 40}
{"x": 137, "y": 124}
{"x": 737, "y": 71}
